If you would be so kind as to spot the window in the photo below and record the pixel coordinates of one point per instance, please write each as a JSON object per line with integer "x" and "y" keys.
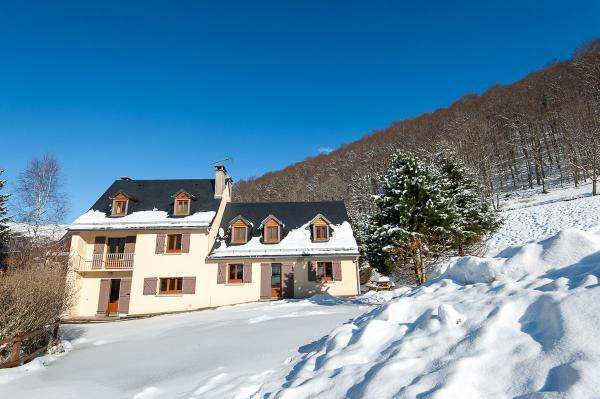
{"x": 235, "y": 273}
{"x": 182, "y": 207}
{"x": 239, "y": 234}
{"x": 171, "y": 285}
{"x": 119, "y": 207}
{"x": 272, "y": 233}
{"x": 321, "y": 232}
{"x": 325, "y": 270}
{"x": 173, "y": 243}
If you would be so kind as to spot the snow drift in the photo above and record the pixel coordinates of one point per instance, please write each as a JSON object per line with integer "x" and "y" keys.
{"x": 522, "y": 324}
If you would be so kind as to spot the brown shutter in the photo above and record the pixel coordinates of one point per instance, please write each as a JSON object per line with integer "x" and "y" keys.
{"x": 265, "y": 280}
{"x": 287, "y": 280}
{"x": 160, "y": 243}
{"x": 221, "y": 272}
{"x": 103, "y": 296}
{"x": 337, "y": 270}
{"x": 312, "y": 271}
{"x": 247, "y": 272}
{"x": 99, "y": 244}
{"x": 189, "y": 285}
{"x": 129, "y": 244}
{"x": 124, "y": 295}
{"x": 150, "y": 285}
{"x": 185, "y": 243}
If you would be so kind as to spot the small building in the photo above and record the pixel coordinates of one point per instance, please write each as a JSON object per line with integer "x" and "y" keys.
{"x": 155, "y": 246}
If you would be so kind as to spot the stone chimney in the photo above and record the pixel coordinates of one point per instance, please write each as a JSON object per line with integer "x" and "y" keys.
{"x": 221, "y": 179}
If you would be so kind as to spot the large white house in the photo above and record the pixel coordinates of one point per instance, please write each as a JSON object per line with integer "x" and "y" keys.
{"x": 153, "y": 246}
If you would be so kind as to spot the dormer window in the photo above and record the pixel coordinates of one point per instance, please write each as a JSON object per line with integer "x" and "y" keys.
{"x": 182, "y": 204}
{"x": 239, "y": 231}
{"x": 320, "y": 228}
{"x": 271, "y": 229}
{"x": 119, "y": 205}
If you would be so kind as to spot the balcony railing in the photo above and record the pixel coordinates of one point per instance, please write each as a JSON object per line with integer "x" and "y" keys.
{"x": 105, "y": 262}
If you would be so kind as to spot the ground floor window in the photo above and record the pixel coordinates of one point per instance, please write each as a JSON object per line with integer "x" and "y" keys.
{"x": 325, "y": 270}
{"x": 235, "y": 273}
{"x": 171, "y": 285}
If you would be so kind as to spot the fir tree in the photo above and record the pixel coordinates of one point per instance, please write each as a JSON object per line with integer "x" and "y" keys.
{"x": 4, "y": 232}
{"x": 474, "y": 217}
{"x": 413, "y": 221}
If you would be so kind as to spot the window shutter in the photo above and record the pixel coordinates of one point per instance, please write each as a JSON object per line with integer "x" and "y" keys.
{"x": 103, "y": 296}
{"x": 337, "y": 270}
{"x": 247, "y": 272}
{"x": 312, "y": 271}
{"x": 124, "y": 295}
{"x": 189, "y": 285}
{"x": 221, "y": 272}
{"x": 150, "y": 285}
{"x": 265, "y": 280}
{"x": 99, "y": 244}
{"x": 287, "y": 280}
{"x": 185, "y": 243}
{"x": 160, "y": 243}
{"x": 129, "y": 244}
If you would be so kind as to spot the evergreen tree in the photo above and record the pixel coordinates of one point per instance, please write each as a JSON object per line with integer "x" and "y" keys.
{"x": 3, "y": 214}
{"x": 413, "y": 220}
{"x": 474, "y": 217}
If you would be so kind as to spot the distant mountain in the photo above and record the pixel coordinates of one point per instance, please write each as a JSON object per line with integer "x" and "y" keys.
{"x": 543, "y": 129}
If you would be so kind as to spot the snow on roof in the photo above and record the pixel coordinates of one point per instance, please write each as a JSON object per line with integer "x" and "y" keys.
{"x": 92, "y": 220}
{"x": 53, "y": 231}
{"x": 296, "y": 243}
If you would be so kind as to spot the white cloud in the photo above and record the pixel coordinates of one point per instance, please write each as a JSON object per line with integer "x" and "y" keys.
{"x": 324, "y": 150}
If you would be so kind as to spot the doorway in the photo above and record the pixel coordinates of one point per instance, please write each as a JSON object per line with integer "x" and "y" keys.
{"x": 276, "y": 280}
{"x": 113, "y": 298}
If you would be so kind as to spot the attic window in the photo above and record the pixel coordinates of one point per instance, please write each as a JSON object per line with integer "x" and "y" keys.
{"x": 182, "y": 204}
{"x": 272, "y": 231}
{"x": 320, "y": 230}
{"x": 239, "y": 232}
{"x": 119, "y": 205}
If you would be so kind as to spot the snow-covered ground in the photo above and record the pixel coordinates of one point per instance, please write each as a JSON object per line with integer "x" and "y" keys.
{"x": 521, "y": 322}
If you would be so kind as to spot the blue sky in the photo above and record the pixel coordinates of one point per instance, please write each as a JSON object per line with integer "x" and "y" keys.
{"x": 154, "y": 89}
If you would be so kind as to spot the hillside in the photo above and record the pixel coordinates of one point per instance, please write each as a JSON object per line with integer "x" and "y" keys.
{"x": 541, "y": 131}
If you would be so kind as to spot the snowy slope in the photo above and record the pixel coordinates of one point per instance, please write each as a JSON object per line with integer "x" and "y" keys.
{"x": 531, "y": 332}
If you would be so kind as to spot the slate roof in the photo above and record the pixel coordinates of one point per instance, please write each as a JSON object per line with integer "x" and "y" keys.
{"x": 292, "y": 214}
{"x": 147, "y": 195}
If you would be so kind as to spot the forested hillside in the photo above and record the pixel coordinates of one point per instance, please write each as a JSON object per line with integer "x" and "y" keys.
{"x": 543, "y": 130}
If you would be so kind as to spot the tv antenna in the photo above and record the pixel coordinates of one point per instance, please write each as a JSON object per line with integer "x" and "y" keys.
{"x": 227, "y": 159}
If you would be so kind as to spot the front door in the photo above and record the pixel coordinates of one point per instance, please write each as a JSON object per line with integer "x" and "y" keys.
{"x": 276, "y": 280}
{"x": 116, "y": 248}
{"x": 113, "y": 298}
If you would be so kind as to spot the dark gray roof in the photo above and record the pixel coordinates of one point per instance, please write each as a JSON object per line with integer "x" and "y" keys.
{"x": 291, "y": 214}
{"x": 146, "y": 195}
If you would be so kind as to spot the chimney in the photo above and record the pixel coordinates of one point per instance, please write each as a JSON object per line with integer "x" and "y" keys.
{"x": 221, "y": 179}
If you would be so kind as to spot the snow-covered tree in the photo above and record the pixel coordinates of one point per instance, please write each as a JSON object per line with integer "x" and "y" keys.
{"x": 474, "y": 217}
{"x": 3, "y": 214}
{"x": 414, "y": 219}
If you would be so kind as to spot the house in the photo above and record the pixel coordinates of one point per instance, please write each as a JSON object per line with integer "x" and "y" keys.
{"x": 154, "y": 246}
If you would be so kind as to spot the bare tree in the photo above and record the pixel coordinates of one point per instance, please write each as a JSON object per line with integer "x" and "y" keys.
{"x": 40, "y": 199}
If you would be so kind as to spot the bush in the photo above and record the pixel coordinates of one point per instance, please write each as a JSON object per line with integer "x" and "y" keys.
{"x": 33, "y": 292}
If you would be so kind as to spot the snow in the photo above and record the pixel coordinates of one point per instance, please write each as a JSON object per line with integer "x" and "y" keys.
{"x": 523, "y": 328}
{"x": 296, "y": 243}
{"x": 51, "y": 231}
{"x": 529, "y": 216}
{"x": 140, "y": 220}
{"x": 520, "y": 322}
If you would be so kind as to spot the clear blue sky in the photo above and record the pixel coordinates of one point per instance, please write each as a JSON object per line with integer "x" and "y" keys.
{"x": 154, "y": 89}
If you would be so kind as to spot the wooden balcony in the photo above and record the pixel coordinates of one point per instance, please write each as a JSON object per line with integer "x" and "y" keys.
{"x": 99, "y": 262}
